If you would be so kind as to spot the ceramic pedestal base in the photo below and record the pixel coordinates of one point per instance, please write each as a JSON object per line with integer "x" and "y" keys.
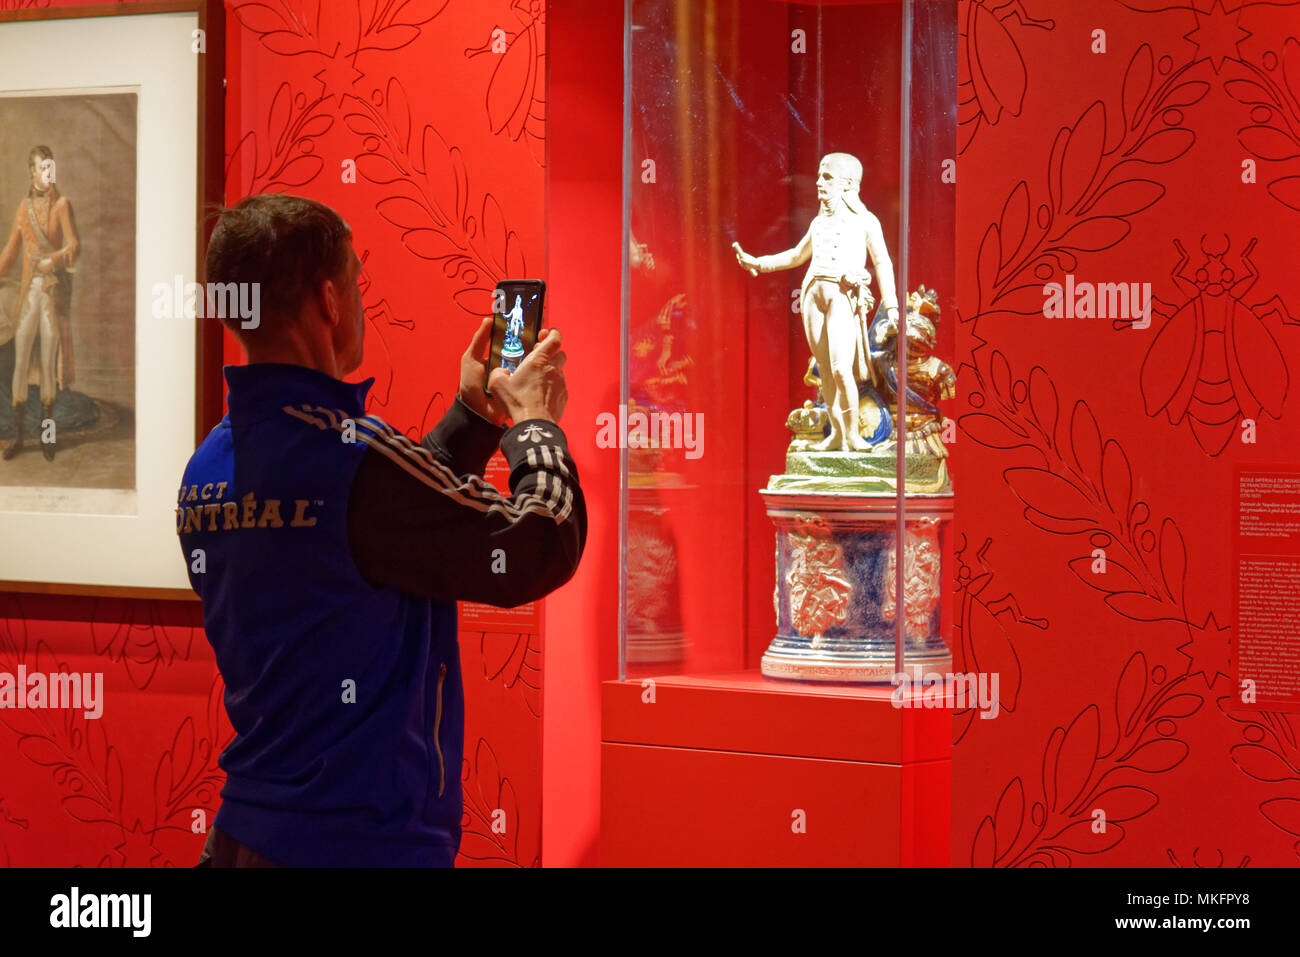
{"x": 835, "y": 586}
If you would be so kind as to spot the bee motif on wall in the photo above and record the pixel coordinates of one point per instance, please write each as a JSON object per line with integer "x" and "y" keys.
{"x": 515, "y": 99}
{"x": 990, "y": 66}
{"x": 1215, "y": 362}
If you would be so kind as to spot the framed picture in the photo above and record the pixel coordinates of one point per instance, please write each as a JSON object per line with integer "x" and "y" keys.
{"x": 110, "y": 163}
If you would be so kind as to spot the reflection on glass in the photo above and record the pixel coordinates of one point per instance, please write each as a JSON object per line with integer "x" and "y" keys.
{"x": 656, "y": 410}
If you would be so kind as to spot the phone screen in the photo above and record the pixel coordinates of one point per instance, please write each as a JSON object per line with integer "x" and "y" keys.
{"x": 516, "y": 321}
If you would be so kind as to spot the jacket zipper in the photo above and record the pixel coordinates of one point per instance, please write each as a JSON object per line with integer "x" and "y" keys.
{"x": 437, "y": 723}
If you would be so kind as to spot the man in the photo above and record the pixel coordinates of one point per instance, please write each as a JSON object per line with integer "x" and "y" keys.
{"x": 835, "y": 296}
{"x": 47, "y": 234}
{"x": 329, "y": 551}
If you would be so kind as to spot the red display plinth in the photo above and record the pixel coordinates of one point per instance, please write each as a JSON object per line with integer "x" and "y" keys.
{"x": 739, "y": 770}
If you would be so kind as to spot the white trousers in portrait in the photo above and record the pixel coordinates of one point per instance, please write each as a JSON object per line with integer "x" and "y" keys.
{"x": 36, "y": 314}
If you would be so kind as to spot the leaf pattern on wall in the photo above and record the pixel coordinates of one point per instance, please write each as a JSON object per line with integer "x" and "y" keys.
{"x": 515, "y": 659}
{"x": 429, "y": 199}
{"x": 1270, "y": 753}
{"x": 187, "y": 777}
{"x": 9, "y": 817}
{"x": 90, "y": 773}
{"x": 1194, "y": 859}
{"x": 1269, "y": 89}
{"x": 282, "y": 156}
{"x": 1095, "y": 764}
{"x": 1080, "y": 486}
{"x": 352, "y": 27}
{"x": 1095, "y": 184}
{"x": 133, "y": 634}
{"x": 490, "y": 824}
{"x": 81, "y": 762}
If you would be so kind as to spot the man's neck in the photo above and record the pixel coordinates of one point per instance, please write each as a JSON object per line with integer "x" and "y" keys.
{"x": 298, "y": 350}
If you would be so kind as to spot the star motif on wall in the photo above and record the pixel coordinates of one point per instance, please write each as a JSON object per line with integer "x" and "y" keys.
{"x": 1217, "y": 35}
{"x": 136, "y": 849}
{"x": 339, "y": 74}
{"x": 1207, "y": 650}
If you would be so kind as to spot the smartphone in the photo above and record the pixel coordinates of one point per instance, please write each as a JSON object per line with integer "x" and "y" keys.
{"x": 516, "y": 322}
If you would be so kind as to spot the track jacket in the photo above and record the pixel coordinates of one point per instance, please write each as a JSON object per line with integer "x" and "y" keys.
{"x": 329, "y": 552}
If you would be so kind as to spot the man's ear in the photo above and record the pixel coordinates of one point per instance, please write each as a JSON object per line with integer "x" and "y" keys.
{"x": 331, "y": 302}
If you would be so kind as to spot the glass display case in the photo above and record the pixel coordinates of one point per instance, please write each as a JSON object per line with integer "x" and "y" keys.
{"x": 789, "y": 209}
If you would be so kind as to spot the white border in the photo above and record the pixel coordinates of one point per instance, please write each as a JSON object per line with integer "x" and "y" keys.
{"x": 150, "y": 53}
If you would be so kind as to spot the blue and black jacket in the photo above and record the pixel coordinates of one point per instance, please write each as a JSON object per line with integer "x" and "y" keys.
{"x": 329, "y": 551}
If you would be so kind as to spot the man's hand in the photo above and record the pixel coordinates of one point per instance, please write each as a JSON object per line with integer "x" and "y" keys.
{"x": 473, "y": 376}
{"x": 537, "y": 389}
{"x": 45, "y": 266}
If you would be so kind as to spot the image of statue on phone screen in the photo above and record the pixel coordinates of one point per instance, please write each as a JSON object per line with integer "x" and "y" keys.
{"x": 513, "y": 349}
{"x": 517, "y": 315}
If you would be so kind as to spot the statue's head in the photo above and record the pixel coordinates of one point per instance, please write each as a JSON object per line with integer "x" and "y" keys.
{"x": 838, "y": 177}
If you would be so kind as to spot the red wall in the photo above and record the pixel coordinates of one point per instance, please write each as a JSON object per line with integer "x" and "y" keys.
{"x": 1116, "y": 686}
{"x": 584, "y": 236}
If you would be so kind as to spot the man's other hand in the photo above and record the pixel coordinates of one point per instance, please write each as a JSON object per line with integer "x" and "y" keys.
{"x": 537, "y": 389}
{"x": 473, "y": 376}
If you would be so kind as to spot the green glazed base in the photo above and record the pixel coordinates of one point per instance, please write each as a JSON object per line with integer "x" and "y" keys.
{"x": 863, "y": 473}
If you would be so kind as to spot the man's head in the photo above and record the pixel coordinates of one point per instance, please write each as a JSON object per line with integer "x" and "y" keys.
{"x": 838, "y": 175}
{"x": 299, "y": 253}
{"x": 40, "y": 166}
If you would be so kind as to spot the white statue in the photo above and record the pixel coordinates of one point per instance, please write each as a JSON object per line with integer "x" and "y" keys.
{"x": 835, "y": 299}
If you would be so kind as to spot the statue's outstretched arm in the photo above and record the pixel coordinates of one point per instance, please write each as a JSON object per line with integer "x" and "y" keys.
{"x": 790, "y": 258}
{"x": 796, "y": 256}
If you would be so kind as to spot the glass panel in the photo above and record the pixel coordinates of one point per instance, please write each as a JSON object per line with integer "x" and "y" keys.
{"x": 759, "y": 275}
{"x": 927, "y": 271}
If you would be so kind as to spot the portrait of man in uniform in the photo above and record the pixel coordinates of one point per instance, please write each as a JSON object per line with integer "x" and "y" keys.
{"x": 67, "y": 299}
{"x": 44, "y": 234}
